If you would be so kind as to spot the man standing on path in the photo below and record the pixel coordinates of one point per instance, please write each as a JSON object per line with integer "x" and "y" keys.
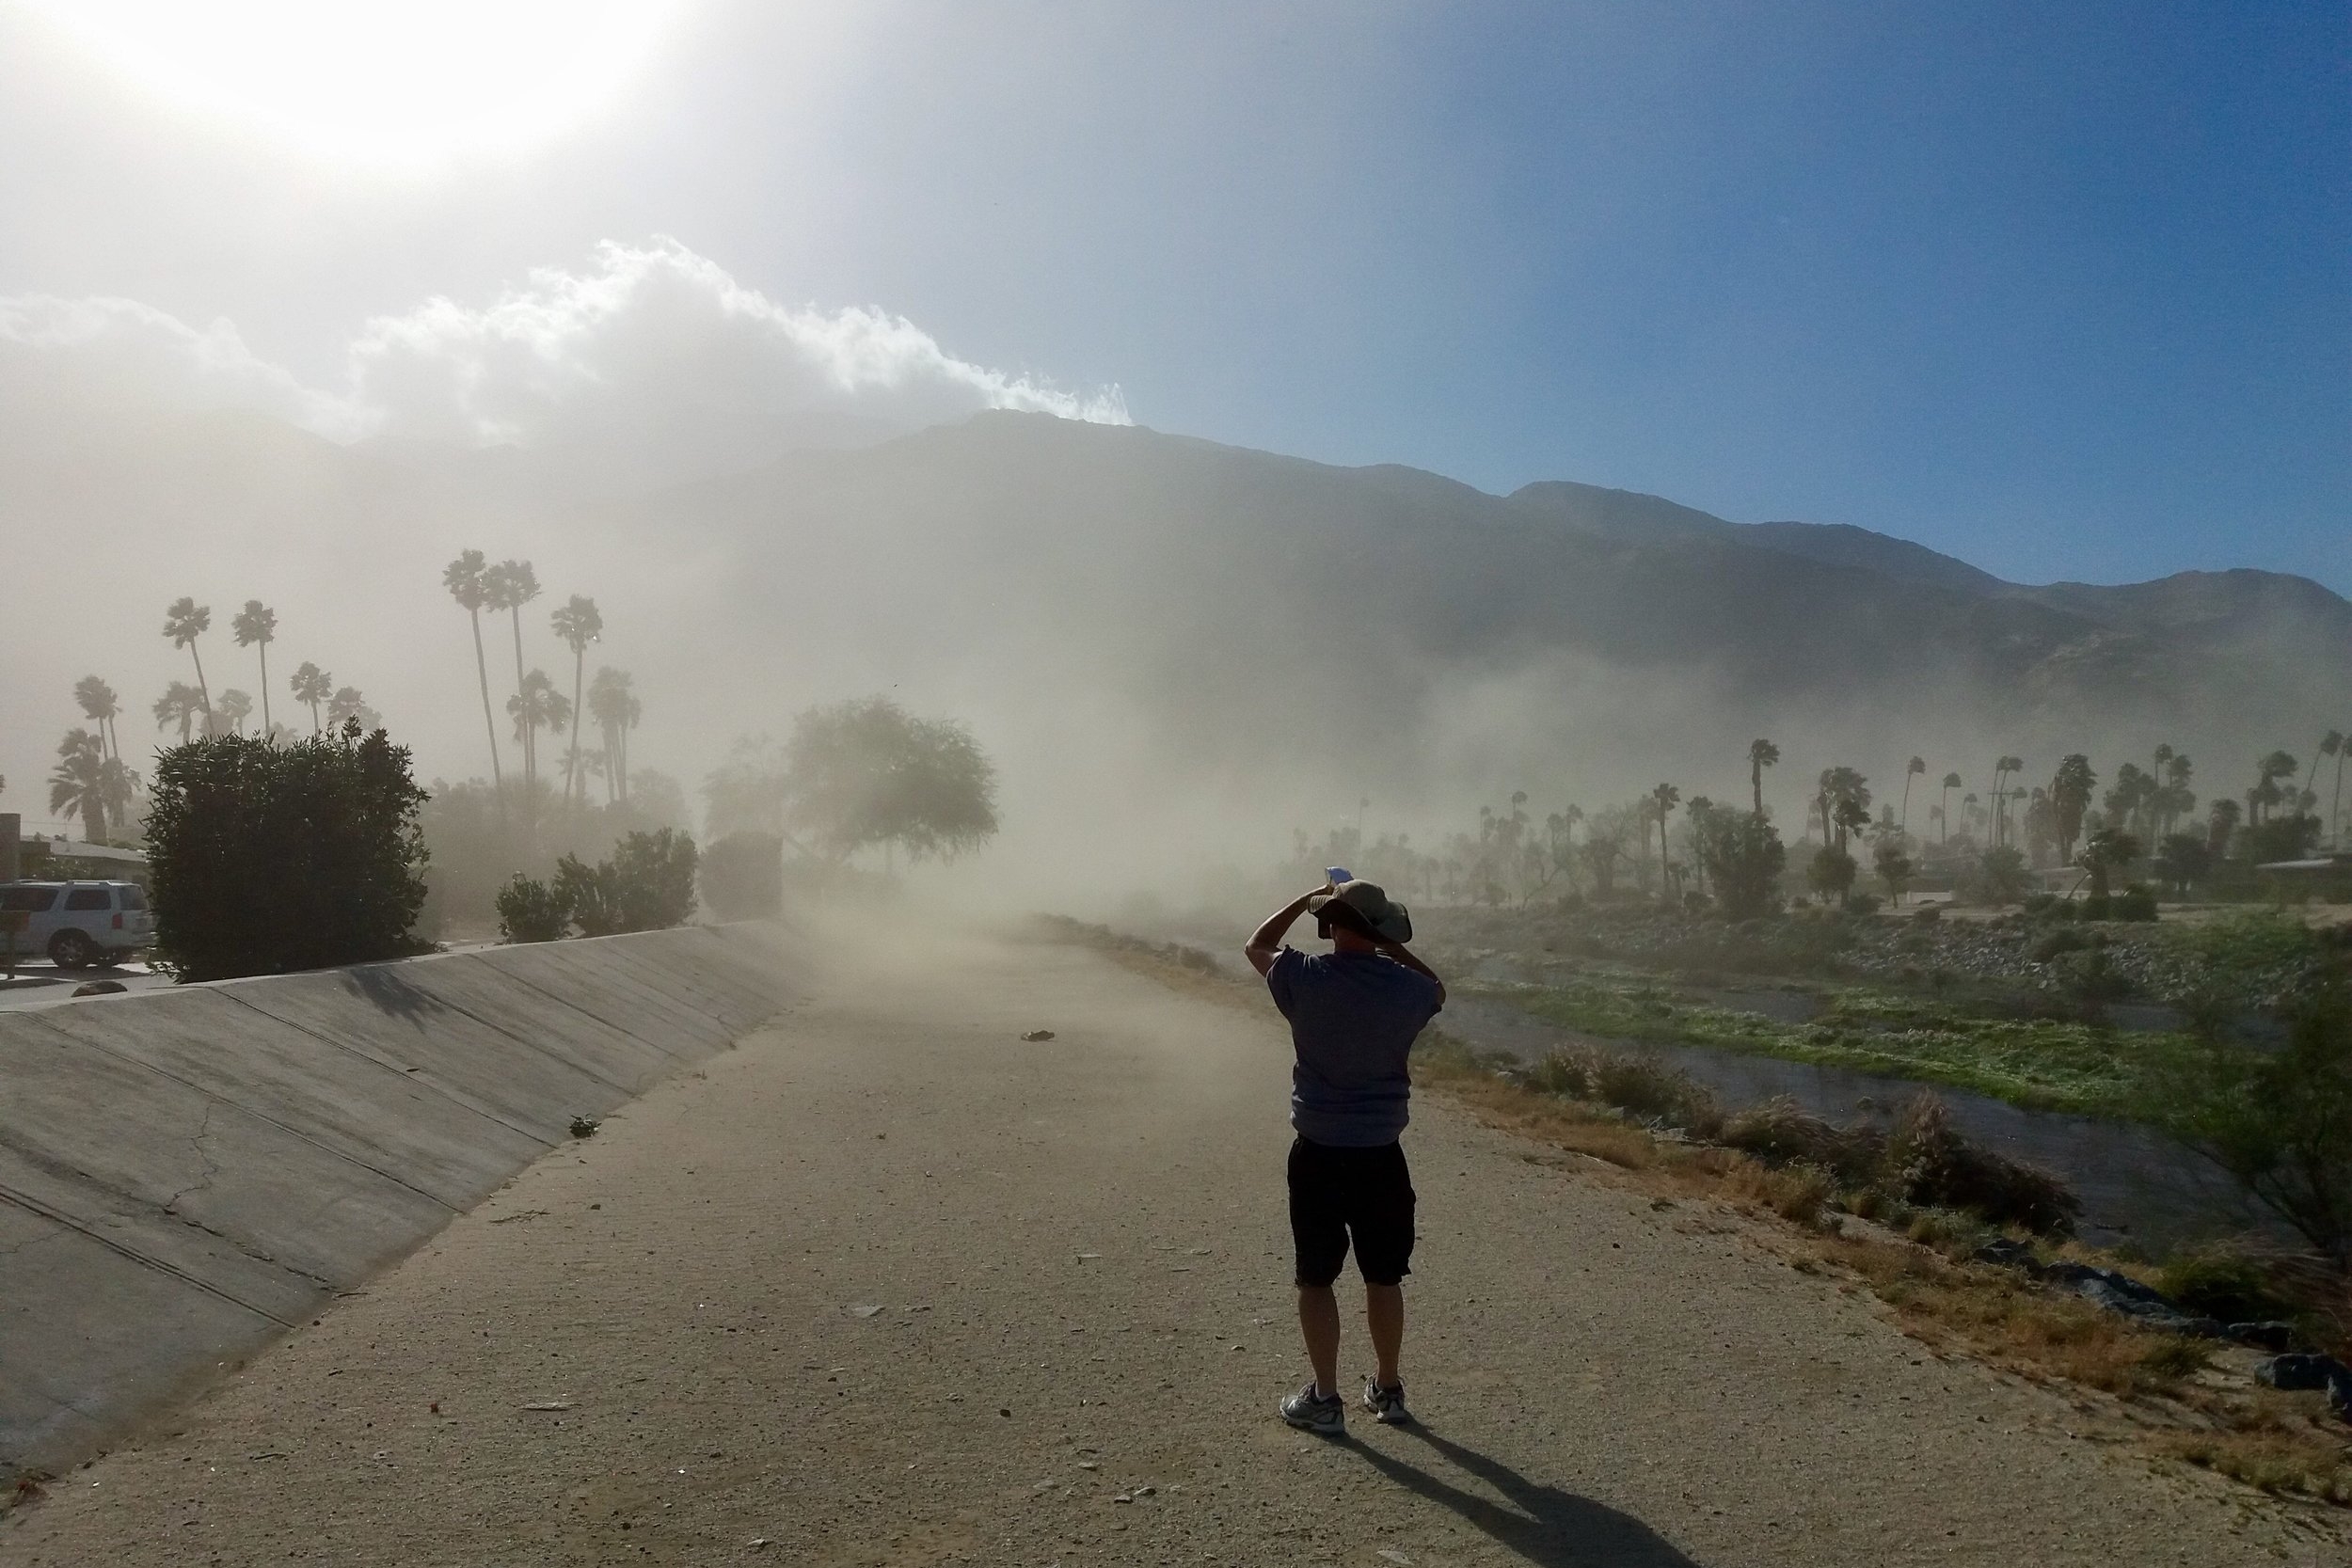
{"x": 1353, "y": 1014}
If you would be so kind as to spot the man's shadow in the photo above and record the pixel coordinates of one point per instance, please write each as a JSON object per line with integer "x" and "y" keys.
{"x": 1545, "y": 1525}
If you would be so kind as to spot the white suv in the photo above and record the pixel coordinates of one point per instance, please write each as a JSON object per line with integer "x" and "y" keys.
{"x": 79, "y": 924}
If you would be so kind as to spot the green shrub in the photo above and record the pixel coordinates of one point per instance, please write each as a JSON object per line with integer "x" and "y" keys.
{"x": 2135, "y": 902}
{"x": 531, "y": 910}
{"x": 2060, "y": 939}
{"x": 742, "y": 876}
{"x": 2223, "y": 1284}
{"x": 649, "y": 885}
{"x": 267, "y": 858}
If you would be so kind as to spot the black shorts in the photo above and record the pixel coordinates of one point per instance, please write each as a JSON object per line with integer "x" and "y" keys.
{"x": 1339, "y": 1195}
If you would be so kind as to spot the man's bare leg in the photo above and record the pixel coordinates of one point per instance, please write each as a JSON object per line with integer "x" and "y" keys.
{"x": 1384, "y": 1314}
{"x": 1319, "y": 1322}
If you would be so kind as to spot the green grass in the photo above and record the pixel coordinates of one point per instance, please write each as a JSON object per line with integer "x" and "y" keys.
{"x": 2045, "y": 1063}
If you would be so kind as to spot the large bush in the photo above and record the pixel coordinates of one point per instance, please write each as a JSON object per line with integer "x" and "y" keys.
{"x": 647, "y": 885}
{"x": 742, "y": 876}
{"x": 274, "y": 857}
{"x": 2278, "y": 1120}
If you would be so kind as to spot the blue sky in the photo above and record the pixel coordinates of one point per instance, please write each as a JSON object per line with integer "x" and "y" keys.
{"x": 2064, "y": 291}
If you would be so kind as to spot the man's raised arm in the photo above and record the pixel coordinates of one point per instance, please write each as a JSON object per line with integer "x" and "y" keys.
{"x": 1265, "y": 942}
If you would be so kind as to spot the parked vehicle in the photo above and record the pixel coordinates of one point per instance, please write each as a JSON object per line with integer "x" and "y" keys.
{"x": 80, "y": 924}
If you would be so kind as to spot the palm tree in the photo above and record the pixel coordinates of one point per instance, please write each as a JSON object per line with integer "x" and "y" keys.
{"x": 608, "y": 696}
{"x": 235, "y": 708}
{"x": 632, "y": 711}
{"x": 184, "y": 623}
{"x": 2220, "y": 822}
{"x": 1664, "y": 797}
{"x": 468, "y": 582}
{"x": 256, "y": 626}
{"x": 180, "y": 702}
{"x": 579, "y": 624}
{"x": 1951, "y": 782}
{"x": 1761, "y": 754}
{"x": 2334, "y": 746}
{"x": 77, "y": 786}
{"x": 509, "y": 586}
{"x": 2070, "y": 799}
{"x": 312, "y": 687}
{"x": 2001, "y": 769}
{"x": 346, "y": 703}
{"x": 2266, "y": 791}
{"x": 98, "y": 706}
{"x": 1911, "y": 771}
{"x": 538, "y": 706}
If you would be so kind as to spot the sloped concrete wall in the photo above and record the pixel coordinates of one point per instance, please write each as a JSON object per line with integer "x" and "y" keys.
{"x": 185, "y": 1174}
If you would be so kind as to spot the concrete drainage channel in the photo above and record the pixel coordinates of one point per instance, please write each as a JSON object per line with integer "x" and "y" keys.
{"x": 184, "y": 1175}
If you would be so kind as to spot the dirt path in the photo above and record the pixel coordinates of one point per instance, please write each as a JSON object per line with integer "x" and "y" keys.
{"x": 1078, "y": 1253}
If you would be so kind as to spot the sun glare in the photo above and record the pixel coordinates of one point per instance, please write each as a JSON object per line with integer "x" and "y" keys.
{"x": 395, "y": 82}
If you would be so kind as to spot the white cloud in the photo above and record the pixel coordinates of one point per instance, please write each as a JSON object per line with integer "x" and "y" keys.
{"x": 656, "y": 337}
{"x": 651, "y": 355}
{"x": 108, "y": 353}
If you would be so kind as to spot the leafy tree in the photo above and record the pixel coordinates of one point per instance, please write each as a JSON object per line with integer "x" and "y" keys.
{"x": 77, "y": 786}
{"x": 2284, "y": 837}
{"x": 2276, "y": 1120}
{"x": 1742, "y": 856}
{"x": 577, "y": 623}
{"x": 179, "y": 703}
{"x": 1893, "y": 865}
{"x": 256, "y": 627}
{"x": 1831, "y": 874}
{"x": 867, "y": 772}
{"x": 1603, "y": 848}
{"x": 1999, "y": 877}
{"x": 1761, "y": 754}
{"x": 312, "y": 686}
{"x": 647, "y": 885}
{"x": 272, "y": 858}
{"x": 184, "y": 623}
{"x": 509, "y": 586}
{"x": 467, "y": 580}
{"x": 2181, "y": 860}
{"x": 529, "y": 911}
{"x": 742, "y": 876}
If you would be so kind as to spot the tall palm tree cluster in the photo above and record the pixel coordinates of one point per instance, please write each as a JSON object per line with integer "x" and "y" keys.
{"x": 91, "y": 781}
{"x": 537, "y": 703}
{"x": 2144, "y": 812}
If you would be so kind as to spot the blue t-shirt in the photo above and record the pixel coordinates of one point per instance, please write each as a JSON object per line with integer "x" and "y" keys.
{"x": 1353, "y": 1018}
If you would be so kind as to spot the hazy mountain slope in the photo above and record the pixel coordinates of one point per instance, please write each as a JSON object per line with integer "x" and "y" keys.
{"x": 1160, "y": 636}
{"x": 1184, "y": 567}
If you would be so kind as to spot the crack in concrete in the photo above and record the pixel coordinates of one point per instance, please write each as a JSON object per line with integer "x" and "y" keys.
{"x": 212, "y": 1168}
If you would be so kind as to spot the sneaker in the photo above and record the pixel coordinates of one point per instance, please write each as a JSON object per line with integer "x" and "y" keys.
{"x": 1387, "y": 1404}
{"x": 1321, "y": 1416}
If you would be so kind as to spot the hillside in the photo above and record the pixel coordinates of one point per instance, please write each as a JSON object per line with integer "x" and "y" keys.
{"x": 1147, "y": 626}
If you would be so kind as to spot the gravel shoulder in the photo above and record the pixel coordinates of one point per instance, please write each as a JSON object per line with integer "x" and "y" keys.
{"x": 1079, "y": 1255}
